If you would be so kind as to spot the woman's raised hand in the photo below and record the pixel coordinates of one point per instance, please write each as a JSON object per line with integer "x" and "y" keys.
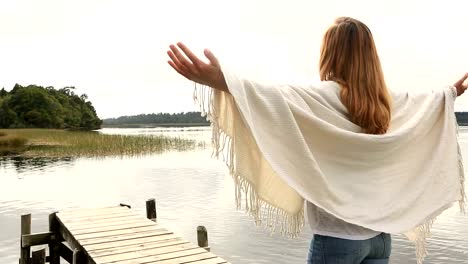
{"x": 191, "y": 67}
{"x": 461, "y": 87}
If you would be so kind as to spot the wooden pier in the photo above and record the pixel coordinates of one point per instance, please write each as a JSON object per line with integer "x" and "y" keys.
{"x": 111, "y": 235}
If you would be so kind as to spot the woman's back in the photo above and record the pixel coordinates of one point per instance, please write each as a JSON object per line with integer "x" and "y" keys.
{"x": 384, "y": 163}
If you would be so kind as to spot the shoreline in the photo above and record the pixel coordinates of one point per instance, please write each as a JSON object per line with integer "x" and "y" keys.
{"x": 155, "y": 125}
{"x": 63, "y": 143}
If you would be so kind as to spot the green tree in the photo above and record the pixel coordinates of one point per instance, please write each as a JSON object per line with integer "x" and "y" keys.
{"x": 36, "y": 106}
{"x": 3, "y": 92}
{"x": 7, "y": 115}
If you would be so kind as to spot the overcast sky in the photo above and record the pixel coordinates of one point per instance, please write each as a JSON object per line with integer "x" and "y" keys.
{"x": 115, "y": 51}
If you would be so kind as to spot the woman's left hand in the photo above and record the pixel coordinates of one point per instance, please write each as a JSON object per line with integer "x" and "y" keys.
{"x": 194, "y": 69}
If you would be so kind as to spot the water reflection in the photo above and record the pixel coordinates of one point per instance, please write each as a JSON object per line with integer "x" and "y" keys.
{"x": 26, "y": 164}
{"x": 191, "y": 189}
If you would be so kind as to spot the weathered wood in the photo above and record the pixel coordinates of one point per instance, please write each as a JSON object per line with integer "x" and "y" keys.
{"x": 25, "y": 230}
{"x": 136, "y": 230}
{"x": 36, "y": 239}
{"x": 91, "y": 241}
{"x": 144, "y": 253}
{"x": 136, "y": 247}
{"x": 186, "y": 259}
{"x": 78, "y": 257}
{"x": 39, "y": 256}
{"x": 130, "y": 242}
{"x": 54, "y": 254}
{"x": 65, "y": 253}
{"x": 202, "y": 237}
{"x": 111, "y": 227}
{"x": 167, "y": 256}
{"x": 216, "y": 260}
{"x": 118, "y": 235}
{"x": 151, "y": 210}
{"x": 72, "y": 242}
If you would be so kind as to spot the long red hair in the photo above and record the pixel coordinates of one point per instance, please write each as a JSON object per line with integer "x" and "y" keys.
{"x": 349, "y": 57}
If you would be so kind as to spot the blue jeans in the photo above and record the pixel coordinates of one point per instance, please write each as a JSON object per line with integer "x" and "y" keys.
{"x": 332, "y": 250}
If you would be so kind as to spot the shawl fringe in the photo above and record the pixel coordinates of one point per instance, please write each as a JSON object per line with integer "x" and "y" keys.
{"x": 264, "y": 214}
{"x": 420, "y": 234}
{"x": 272, "y": 217}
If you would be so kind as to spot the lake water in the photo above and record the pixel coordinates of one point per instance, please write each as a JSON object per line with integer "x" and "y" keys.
{"x": 191, "y": 189}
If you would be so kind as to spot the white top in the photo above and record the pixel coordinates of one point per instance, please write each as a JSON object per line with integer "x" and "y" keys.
{"x": 325, "y": 224}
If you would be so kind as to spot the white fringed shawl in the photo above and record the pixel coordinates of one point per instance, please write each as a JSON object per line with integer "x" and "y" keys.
{"x": 286, "y": 144}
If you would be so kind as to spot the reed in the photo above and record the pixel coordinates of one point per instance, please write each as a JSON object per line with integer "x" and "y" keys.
{"x": 11, "y": 143}
{"x": 61, "y": 143}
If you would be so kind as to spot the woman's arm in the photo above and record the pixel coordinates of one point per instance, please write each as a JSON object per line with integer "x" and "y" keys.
{"x": 194, "y": 69}
{"x": 460, "y": 86}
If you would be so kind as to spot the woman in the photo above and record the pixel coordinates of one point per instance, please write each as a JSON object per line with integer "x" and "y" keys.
{"x": 349, "y": 65}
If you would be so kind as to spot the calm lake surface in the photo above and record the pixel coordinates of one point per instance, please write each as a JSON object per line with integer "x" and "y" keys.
{"x": 191, "y": 189}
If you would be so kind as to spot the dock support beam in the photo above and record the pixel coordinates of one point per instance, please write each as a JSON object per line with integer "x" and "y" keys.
{"x": 39, "y": 256}
{"x": 25, "y": 230}
{"x": 54, "y": 243}
{"x": 202, "y": 237}
{"x": 78, "y": 257}
{"x": 151, "y": 210}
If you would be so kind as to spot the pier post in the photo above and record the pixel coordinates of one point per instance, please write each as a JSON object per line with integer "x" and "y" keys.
{"x": 77, "y": 257}
{"x": 151, "y": 210}
{"x": 39, "y": 256}
{"x": 54, "y": 246}
{"x": 202, "y": 237}
{"x": 25, "y": 230}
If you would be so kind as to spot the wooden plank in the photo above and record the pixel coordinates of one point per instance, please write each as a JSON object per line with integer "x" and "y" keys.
{"x": 118, "y": 235}
{"x": 144, "y": 253}
{"x": 133, "y": 248}
{"x": 36, "y": 239}
{"x": 71, "y": 219}
{"x": 96, "y": 211}
{"x": 167, "y": 256}
{"x": 103, "y": 222}
{"x": 72, "y": 242}
{"x": 216, "y": 260}
{"x": 103, "y": 228}
{"x": 135, "y": 230}
{"x": 136, "y": 241}
{"x": 186, "y": 259}
{"x": 91, "y": 241}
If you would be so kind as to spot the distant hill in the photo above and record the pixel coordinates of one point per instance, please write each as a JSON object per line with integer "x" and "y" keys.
{"x": 190, "y": 119}
{"x": 155, "y": 120}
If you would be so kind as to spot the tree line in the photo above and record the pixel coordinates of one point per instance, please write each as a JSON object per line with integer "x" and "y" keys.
{"x": 194, "y": 118}
{"x": 186, "y": 118}
{"x": 45, "y": 107}
{"x": 462, "y": 118}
